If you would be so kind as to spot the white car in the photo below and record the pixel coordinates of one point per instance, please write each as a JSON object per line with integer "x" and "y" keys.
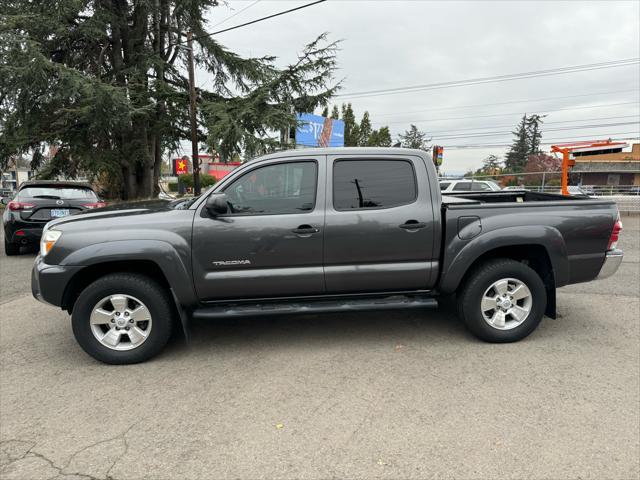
{"x": 468, "y": 186}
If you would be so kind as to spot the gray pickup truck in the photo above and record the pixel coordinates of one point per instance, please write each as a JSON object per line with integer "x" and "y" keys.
{"x": 328, "y": 230}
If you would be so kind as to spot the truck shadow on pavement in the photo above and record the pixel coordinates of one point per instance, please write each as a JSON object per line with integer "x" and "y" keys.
{"x": 358, "y": 329}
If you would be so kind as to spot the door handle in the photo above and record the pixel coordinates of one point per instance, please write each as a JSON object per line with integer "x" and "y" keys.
{"x": 413, "y": 225}
{"x": 305, "y": 230}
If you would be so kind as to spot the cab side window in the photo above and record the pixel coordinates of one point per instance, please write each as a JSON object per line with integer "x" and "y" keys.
{"x": 282, "y": 188}
{"x": 365, "y": 184}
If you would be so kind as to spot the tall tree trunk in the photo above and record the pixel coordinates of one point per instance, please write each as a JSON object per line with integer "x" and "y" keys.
{"x": 157, "y": 165}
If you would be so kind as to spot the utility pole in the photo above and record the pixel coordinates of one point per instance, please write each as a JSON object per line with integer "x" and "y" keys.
{"x": 195, "y": 161}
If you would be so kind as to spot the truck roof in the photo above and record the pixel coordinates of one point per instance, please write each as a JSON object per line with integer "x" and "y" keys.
{"x": 344, "y": 151}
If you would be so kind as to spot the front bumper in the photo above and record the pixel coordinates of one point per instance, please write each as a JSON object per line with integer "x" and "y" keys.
{"x": 49, "y": 282}
{"x": 612, "y": 262}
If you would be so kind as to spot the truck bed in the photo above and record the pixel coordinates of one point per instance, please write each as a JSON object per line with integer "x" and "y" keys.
{"x": 514, "y": 196}
{"x": 575, "y": 230}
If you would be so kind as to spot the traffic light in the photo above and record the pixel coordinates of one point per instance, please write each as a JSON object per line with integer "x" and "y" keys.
{"x": 438, "y": 152}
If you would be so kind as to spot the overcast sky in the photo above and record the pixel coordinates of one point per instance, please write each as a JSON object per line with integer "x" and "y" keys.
{"x": 389, "y": 44}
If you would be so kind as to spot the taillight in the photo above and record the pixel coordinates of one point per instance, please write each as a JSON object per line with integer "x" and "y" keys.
{"x": 17, "y": 206}
{"x": 615, "y": 233}
{"x": 95, "y": 205}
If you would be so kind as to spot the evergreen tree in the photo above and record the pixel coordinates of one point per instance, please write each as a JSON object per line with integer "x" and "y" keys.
{"x": 380, "y": 138}
{"x": 365, "y": 130}
{"x": 491, "y": 164}
{"x": 414, "y": 138}
{"x": 104, "y": 83}
{"x": 534, "y": 133}
{"x": 335, "y": 113}
{"x": 516, "y": 157}
{"x": 325, "y": 111}
{"x": 351, "y": 127}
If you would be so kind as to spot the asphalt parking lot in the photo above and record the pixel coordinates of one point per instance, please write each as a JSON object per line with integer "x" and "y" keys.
{"x": 374, "y": 395}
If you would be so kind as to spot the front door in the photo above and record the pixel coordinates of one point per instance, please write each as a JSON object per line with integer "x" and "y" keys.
{"x": 379, "y": 226}
{"x": 271, "y": 241}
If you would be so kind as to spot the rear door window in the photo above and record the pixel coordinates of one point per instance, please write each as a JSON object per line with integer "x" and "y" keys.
{"x": 444, "y": 185}
{"x": 369, "y": 184}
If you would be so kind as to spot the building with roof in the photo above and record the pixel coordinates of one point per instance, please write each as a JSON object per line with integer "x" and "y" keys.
{"x": 609, "y": 165}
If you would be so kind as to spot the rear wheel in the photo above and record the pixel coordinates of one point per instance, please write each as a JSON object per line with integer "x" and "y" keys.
{"x": 502, "y": 301}
{"x": 122, "y": 318}
{"x": 10, "y": 248}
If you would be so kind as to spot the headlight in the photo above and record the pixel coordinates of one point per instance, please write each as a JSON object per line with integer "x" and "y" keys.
{"x": 48, "y": 240}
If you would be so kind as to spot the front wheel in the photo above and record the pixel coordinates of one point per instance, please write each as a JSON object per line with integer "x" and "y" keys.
{"x": 502, "y": 301}
{"x": 122, "y": 318}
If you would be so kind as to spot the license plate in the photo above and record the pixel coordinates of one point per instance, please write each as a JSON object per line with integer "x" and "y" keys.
{"x": 59, "y": 212}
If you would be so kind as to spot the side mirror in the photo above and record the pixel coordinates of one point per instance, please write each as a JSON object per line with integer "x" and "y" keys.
{"x": 217, "y": 204}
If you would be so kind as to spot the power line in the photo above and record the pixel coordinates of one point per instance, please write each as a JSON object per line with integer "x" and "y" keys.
{"x": 558, "y": 129}
{"x": 235, "y": 14}
{"x": 480, "y": 129}
{"x": 505, "y": 103}
{"x": 508, "y": 114}
{"x": 261, "y": 19}
{"x": 493, "y": 79}
{"x": 547, "y": 141}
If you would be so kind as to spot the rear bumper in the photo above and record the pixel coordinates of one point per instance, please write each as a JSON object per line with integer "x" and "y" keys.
{"x": 23, "y": 232}
{"x": 48, "y": 282}
{"x": 612, "y": 262}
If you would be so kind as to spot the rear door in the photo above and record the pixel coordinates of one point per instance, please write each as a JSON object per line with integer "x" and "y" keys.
{"x": 379, "y": 227}
{"x": 271, "y": 243}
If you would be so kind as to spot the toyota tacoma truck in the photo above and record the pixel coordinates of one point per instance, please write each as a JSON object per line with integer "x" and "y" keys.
{"x": 323, "y": 230}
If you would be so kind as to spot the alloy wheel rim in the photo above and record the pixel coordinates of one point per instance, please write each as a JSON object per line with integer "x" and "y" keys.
{"x": 506, "y": 304}
{"x": 120, "y": 322}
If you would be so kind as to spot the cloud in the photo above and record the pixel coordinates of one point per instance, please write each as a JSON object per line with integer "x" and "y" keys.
{"x": 390, "y": 44}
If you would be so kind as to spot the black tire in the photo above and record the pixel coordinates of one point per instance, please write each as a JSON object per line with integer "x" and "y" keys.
{"x": 482, "y": 278}
{"x": 10, "y": 248}
{"x": 141, "y": 287}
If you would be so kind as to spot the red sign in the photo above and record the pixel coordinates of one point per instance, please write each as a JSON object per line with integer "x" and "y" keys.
{"x": 180, "y": 166}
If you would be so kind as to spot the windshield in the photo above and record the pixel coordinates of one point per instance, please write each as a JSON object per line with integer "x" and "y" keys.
{"x": 66, "y": 193}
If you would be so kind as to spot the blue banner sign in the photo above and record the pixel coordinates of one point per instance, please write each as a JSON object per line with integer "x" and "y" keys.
{"x": 317, "y": 131}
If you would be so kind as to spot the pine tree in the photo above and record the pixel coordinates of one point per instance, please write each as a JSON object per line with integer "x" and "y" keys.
{"x": 351, "y": 128}
{"x": 414, "y": 138}
{"x": 365, "y": 130}
{"x": 491, "y": 165}
{"x": 380, "y": 138}
{"x": 534, "y": 133}
{"x": 107, "y": 87}
{"x": 335, "y": 113}
{"x": 516, "y": 157}
{"x": 325, "y": 111}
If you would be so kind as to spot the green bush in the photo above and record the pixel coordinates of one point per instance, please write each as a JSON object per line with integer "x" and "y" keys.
{"x": 205, "y": 180}
{"x": 172, "y": 186}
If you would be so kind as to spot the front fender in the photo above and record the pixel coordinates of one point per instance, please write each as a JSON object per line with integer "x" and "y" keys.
{"x": 159, "y": 252}
{"x": 464, "y": 253}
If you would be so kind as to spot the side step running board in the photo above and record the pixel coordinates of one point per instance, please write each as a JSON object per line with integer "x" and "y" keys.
{"x": 314, "y": 306}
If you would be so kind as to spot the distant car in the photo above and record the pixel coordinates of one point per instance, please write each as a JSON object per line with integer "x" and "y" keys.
{"x": 37, "y": 202}
{"x": 468, "y": 186}
{"x": 514, "y": 187}
{"x": 575, "y": 190}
